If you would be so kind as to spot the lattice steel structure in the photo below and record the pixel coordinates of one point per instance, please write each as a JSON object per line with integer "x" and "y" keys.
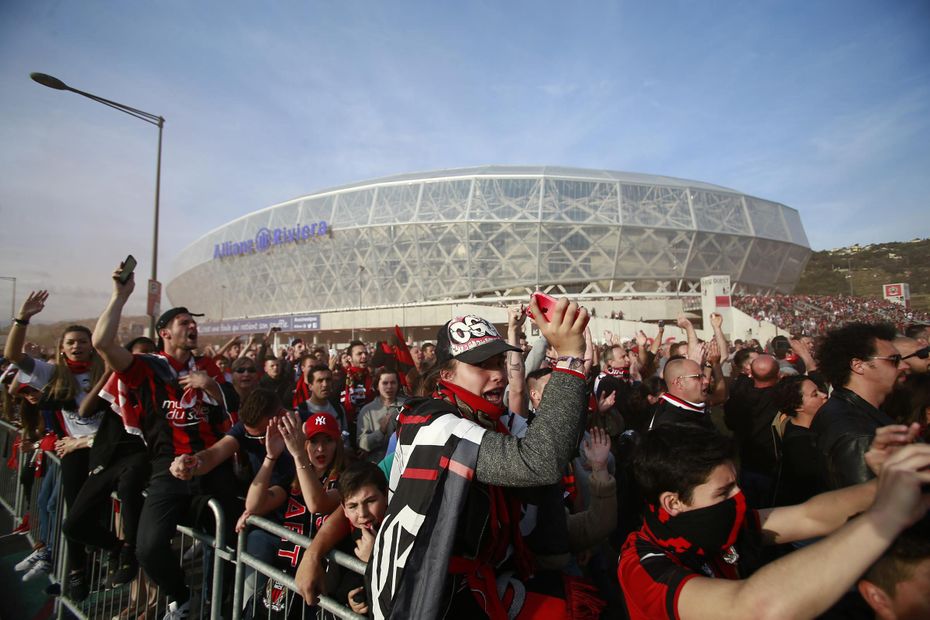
{"x": 487, "y": 232}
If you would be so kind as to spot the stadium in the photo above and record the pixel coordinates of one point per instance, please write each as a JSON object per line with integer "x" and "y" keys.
{"x": 489, "y": 234}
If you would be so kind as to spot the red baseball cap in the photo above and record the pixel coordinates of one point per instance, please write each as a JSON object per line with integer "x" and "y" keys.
{"x": 322, "y": 423}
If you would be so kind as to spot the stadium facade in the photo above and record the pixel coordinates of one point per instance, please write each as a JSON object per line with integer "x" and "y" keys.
{"x": 490, "y": 232}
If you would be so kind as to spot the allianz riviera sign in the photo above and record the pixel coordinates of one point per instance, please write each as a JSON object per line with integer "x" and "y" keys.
{"x": 267, "y": 238}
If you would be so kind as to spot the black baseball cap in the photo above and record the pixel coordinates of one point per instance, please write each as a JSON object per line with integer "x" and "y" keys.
{"x": 167, "y": 315}
{"x": 469, "y": 339}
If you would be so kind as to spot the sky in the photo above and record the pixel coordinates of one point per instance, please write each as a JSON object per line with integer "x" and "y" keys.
{"x": 821, "y": 105}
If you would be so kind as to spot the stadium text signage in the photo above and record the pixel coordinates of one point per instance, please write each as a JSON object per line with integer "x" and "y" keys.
{"x": 266, "y": 238}
{"x": 288, "y": 323}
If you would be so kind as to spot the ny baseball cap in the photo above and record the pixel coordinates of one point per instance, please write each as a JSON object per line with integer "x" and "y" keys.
{"x": 469, "y": 339}
{"x": 322, "y": 423}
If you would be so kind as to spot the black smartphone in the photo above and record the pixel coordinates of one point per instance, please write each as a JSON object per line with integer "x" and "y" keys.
{"x": 359, "y": 597}
{"x": 661, "y": 324}
{"x": 129, "y": 265}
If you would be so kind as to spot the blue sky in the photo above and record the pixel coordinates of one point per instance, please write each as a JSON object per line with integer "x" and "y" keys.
{"x": 823, "y": 106}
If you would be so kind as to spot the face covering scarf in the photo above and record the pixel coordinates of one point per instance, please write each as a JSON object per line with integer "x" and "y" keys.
{"x": 700, "y": 535}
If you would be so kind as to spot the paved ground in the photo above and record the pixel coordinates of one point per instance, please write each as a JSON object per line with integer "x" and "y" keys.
{"x": 18, "y": 600}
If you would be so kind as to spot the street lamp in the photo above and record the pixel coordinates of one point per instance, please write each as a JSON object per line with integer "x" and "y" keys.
{"x": 13, "y": 298}
{"x": 158, "y": 121}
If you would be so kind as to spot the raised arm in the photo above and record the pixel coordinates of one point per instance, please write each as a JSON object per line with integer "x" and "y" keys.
{"x": 104, "y": 338}
{"x": 806, "y": 582}
{"x": 551, "y": 440}
{"x": 33, "y": 305}
{"x": 685, "y": 323}
{"x": 515, "y": 375}
{"x": 225, "y": 347}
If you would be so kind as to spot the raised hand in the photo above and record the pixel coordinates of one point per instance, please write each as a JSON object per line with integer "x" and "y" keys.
{"x": 698, "y": 353}
{"x": 292, "y": 430}
{"x": 713, "y": 352}
{"x": 515, "y": 314}
{"x": 33, "y": 305}
{"x": 716, "y": 320}
{"x": 597, "y": 449}
{"x": 274, "y": 441}
{"x": 120, "y": 290}
{"x": 564, "y": 330}
{"x": 605, "y": 401}
{"x": 683, "y": 322}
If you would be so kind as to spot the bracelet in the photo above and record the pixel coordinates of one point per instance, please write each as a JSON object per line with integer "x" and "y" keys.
{"x": 23, "y": 322}
{"x": 271, "y": 459}
{"x": 304, "y": 466}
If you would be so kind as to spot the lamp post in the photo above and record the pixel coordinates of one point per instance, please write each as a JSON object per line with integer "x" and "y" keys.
{"x": 13, "y": 298}
{"x": 158, "y": 121}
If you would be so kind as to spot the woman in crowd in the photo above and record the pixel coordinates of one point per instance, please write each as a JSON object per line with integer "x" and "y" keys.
{"x": 798, "y": 399}
{"x": 378, "y": 419}
{"x": 316, "y": 447}
{"x": 76, "y": 370}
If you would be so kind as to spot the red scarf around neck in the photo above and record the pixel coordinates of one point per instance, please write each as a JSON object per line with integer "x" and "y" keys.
{"x": 77, "y": 368}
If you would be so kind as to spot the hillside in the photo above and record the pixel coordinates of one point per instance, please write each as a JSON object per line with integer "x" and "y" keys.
{"x": 870, "y": 266}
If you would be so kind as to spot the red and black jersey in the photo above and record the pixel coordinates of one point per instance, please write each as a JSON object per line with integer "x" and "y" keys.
{"x": 172, "y": 420}
{"x": 652, "y": 575}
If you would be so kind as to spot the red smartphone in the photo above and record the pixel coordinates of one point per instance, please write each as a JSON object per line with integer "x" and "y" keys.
{"x": 546, "y": 303}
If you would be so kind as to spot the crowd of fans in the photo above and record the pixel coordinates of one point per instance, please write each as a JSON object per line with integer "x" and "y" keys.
{"x": 815, "y": 314}
{"x": 485, "y": 475}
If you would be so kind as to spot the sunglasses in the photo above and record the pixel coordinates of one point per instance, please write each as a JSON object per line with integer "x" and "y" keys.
{"x": 894, "y": 359}
{"x": 921, "y": 353}
{"x": 245, "y": 369}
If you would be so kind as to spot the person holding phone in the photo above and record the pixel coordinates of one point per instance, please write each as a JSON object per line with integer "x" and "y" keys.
{"x": 174, "y": 401}
{"x": 456, "y": 466}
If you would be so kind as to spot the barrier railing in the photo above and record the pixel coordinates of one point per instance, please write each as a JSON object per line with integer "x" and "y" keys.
{"x": 140, "y": 599}
{"x": 247, "y": 560}
{"x": 11, "y": 496}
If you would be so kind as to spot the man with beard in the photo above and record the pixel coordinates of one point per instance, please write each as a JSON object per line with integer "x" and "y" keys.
{"x": 863, "y": 365}
{"x": 697, "y": 552}
{"x": 906, "y": 403}
{"x": 174, "y": 401}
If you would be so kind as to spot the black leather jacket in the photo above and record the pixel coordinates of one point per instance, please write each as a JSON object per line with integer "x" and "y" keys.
{"x": 845, "y": 426}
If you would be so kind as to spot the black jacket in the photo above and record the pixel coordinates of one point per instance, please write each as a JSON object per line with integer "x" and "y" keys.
{"x": 667, "y": 413}
{"x": 749, "y": 413}
{"x": 845, "y": 426}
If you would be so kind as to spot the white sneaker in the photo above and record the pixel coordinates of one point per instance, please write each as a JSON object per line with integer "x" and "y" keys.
{"x": 39, "y": 569}
{"x": 177, "y": 611}
{"x": 29, "y": 561}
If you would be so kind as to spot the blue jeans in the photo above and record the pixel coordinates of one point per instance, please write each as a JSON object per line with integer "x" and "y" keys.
{"x": 48, "y": 505}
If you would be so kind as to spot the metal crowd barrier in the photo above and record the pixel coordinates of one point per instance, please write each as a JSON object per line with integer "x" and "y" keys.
{"x": 246, "y": 560}
{"x": 140, "y": 599}
{"x": 11, "y": 496}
